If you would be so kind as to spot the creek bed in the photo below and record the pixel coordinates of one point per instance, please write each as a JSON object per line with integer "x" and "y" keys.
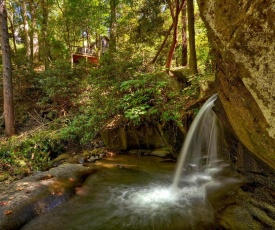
{"x": 131, "y": 192}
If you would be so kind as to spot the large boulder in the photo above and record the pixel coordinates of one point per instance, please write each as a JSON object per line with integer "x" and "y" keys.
{"x": 27, "y": 198}
{"x": 242, "y": 34}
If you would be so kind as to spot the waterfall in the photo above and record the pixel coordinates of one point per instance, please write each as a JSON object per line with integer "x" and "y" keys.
{"x": 199, "y": 151}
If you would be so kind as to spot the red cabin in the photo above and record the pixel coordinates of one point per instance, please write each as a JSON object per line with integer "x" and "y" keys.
{"x": 87, "y": 54}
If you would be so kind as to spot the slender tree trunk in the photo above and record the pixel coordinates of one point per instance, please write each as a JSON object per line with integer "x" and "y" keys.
{"x": 183, "y": 36}
{"x": 174, "y": 42}
{"x": 113, "y": 27}
{"x": 13, "y": 33}
{"x": 88, "y": 36}
{"x": 175, "y": 9}
{"x": 192, "y": 45}
{"x": 163, "y": 43}
{"x": 7, "y": 72}
{"x": 45, "y": 41}
{"x": 99, "y": 44}
{"x": 35, "y": 41}
{"x": 26, "y": 28}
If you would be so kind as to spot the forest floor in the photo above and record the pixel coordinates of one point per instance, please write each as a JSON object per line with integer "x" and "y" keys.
{"x": 29, "y": 119}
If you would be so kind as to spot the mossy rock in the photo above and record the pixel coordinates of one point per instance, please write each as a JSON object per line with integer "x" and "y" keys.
{"x": 4, "y": 175}
{"x": 236, "y": 217}
{"x": 245, "y": 66}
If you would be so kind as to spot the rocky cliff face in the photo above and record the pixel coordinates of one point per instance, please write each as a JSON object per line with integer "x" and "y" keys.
{"x": 242, "y": 35}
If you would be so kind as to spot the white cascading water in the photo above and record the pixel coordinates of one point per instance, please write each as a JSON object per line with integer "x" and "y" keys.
{"x": 197, "y": 161}
{"x": 199, "y": 151}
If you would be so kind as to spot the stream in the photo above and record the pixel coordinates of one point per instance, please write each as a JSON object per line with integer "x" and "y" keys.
{"x": 131, "y": 192}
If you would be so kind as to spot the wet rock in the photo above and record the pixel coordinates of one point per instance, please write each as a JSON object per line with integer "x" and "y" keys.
{"x": 163, "y": 153}
{"x": 61, "y": 159}
{"x": 207, "y": 86}
{"x": 24, "y": 199}
{"x": 236, "y": 217}
{"x": 93, "y": 155}
{"x": 119, "y": 135}
{"x": 140, "y": 152}
{"x": 245, "y": 65}
{"x": 100, "y": 152}
{"x": 244, "y": 207}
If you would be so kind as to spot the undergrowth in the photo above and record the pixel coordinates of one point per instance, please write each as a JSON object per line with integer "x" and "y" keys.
{"x": 78, "y": 101}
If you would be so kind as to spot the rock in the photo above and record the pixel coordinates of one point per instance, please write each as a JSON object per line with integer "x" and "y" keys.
{"x": 236, "y": 217}
{"x": 113, "y": 134}
{"x": 4, "y": 175}
{"x": 207, "y": 86}
{"x": 119, "y": 136}
{"x": 61, "y": 159}
{"x": 24, "y": 199}
{"x": 182, "y": 76}
{"x": 140, "y": 152}
{"x": 242, "y": 160}
{"x": 93, "y": 155}
{"x": 99, "y": 152}
{"x": 81, "y": 160}
{"x": 245, "y": 68}
{"x": 241, "y": 207}
{"x": 163, "y": 153}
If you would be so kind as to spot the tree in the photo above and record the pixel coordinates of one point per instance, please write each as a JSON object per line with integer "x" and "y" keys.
{"x": 26, "y": 28}
{"x": 175, "y": 9}
{"x": 7, "y": 72}
{"x": 45, "y": 40}
{"x": 11, "y": 21}
{"x": 113, "y": 26}
{"x": 183, "y": 36}
{"x": 163, "y": 43}
{"x": 34, "y": 33}
{"x": 192, "y": 44}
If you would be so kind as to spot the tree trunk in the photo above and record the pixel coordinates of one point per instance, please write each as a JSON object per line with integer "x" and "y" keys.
{"x": 13, "y": 33}
{"x": 174, "y": 42}
{"x": 113, "y": 27}
{"x": 163, "y": 44}
{"x": 7, "y": 72}
{"x": 45, "y": 40}
{"x": 35, "y": 41}
{"x": 175, "y": 9}
{"x": 183, "y": 36}
{"x": 191, "y": 30}
{"x": 26, "y": 29}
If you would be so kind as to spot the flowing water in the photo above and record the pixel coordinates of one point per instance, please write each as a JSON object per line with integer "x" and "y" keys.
{"x": 130, "y": 192}
{"x": 140, "y": 192}
{"x": 199, "y": 154}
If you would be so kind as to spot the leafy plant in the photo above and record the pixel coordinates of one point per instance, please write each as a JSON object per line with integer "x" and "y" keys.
{"x": 61, "y": 84}
{"x": 141, "y": 97}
